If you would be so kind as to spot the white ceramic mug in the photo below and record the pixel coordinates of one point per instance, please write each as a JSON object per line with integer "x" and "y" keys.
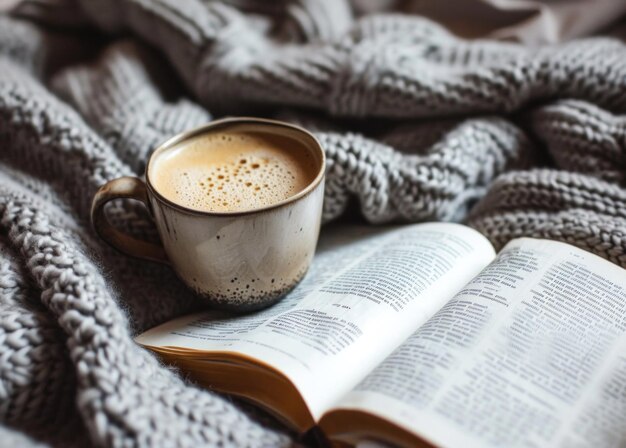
{"x": 236, "y": 260}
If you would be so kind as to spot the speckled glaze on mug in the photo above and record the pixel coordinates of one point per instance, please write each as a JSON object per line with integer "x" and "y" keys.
{"x": 236, "y": 260}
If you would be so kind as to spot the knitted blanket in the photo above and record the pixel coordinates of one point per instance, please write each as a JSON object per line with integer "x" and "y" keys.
{"x": 418, "y": 125}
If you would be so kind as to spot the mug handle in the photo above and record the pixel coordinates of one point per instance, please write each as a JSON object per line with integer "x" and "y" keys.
{"x": 131, "y": 188}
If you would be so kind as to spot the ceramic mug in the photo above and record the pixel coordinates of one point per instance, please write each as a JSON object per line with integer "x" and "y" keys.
{"x": 236, "y": 260}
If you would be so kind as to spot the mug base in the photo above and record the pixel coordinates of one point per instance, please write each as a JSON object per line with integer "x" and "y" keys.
{"x": 246, "y": 304}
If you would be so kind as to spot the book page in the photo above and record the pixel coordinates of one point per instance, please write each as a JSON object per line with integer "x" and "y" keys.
{"x": 366, "y": 292}
{"x": 530, "y": 353}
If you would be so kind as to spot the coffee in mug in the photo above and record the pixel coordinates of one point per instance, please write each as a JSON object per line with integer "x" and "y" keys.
{"x": 234, "y": 171}
{"x": 237, "y": 204}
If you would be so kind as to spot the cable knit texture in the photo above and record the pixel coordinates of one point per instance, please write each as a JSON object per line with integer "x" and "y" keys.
{"x": 417, "y": 124}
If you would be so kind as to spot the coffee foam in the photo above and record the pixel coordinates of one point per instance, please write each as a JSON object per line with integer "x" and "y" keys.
{"x": 233, "y": 172}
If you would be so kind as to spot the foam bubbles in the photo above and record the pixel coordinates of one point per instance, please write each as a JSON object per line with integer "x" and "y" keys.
{"x": 232, "y": 186}
{"x": 232, "y": 176}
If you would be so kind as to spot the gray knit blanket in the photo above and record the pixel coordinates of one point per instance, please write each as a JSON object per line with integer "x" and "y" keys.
{"x": 418, "y": 125}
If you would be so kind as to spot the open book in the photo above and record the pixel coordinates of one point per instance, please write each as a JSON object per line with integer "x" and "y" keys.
{"x": 423, "y": 335}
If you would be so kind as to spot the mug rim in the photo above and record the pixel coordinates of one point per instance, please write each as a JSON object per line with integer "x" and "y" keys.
{"x": 181, "y": 137}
